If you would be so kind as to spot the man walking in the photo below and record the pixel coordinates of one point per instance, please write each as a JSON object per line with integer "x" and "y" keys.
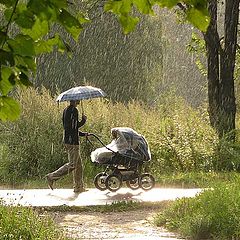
{"x": 71, "y": 126}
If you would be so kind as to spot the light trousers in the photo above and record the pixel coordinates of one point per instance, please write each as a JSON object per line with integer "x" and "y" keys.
{"x": 74, "y": 165}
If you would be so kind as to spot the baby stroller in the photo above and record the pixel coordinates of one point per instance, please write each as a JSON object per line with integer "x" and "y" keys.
{"x": 124, "y": 158}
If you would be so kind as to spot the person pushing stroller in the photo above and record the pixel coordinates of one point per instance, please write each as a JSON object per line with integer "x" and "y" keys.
{"x": 71, "y": 127}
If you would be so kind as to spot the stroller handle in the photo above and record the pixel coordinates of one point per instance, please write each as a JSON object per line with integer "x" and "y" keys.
{"x": 92, "y": 134}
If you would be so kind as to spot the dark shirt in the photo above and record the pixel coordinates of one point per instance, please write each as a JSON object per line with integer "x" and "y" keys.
{"x": 71, "y": 125}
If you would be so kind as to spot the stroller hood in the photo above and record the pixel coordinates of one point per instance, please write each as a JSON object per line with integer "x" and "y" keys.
{"x": 125, "y": 141}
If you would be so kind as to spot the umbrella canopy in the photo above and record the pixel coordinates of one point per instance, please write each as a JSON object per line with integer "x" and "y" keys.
{"x": 81, "y": 93}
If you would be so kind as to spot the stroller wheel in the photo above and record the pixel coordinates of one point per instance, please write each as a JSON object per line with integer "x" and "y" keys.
{"x": 100, "y": 180}
{"x": 113, "y": 182}
{"x": 146, "y": 181}
{"x": 133, "y": 184}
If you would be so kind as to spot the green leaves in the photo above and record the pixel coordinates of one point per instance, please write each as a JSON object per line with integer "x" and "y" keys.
{"x": 129, "y": 23}
{"x": 122, "y": 9}
{"x": 70, "y": 23}
{"x": 143, "y": 6}
{"x": 42, "y": 9}
{"x": 38, "y": 29}
{"x": 9, "y": 109}
{"x": 22, "y": 45}
{"x": 11, "y": 77}
{"x": 199, "y": 18}
{"x": 196, "y": 11}
{"x": 6, "y": 58}
{"x": 5, "y": 83}
{"x": 118, "y": 7}
{"x": 47, "y": 46}
{"x": 3, "y": 37}
{"x": 24, "y": 80}
{"x": 23, "y": 17}
{"x": 8, "y": 3}
{"x": 167, "y": 3}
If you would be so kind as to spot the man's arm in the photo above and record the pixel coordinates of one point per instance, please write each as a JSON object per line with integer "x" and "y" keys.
{"x": 83, "y": 134}
{"x": 83, "y": 121}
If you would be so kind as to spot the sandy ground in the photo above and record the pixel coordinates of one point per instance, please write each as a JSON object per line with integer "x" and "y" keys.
{"x": 134, "y": 225}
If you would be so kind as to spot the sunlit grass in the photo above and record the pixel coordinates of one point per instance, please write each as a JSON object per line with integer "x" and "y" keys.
{"x": 213, "y": 214}
{"x": 24, "y": 223}
{"x": 196, "y": 179}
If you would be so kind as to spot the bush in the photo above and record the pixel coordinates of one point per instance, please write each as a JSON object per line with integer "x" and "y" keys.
{"x": 213, "y": 214}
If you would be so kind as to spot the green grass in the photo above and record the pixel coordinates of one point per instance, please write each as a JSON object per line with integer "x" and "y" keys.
{"x": 26, "y": 224}
{"x": 213, "y": 214}
{"x": 195, "y": 179}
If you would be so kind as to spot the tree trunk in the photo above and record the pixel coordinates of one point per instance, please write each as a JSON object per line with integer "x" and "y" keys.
{"x": 213, "y": 45}
{"x": 221, "y": 63}
{"x": 227, "y": 64}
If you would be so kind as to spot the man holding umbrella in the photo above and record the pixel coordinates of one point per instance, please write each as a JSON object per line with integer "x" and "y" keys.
{"x": 71, "y": 133}
{"x": 71, "y": 126}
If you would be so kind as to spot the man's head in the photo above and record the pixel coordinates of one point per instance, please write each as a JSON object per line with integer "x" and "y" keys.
{"x": 74, "y": 102}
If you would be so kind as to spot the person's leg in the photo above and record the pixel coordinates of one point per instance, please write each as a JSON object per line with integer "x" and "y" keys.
{"x": 63, "y": 170}
{"x": 78, "y": 170}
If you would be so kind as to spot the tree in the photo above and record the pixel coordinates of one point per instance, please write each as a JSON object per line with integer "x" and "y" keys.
{"x": 221, "y": 61}
{"x": 221, "y": 53}
{"x": 33, "y": 20}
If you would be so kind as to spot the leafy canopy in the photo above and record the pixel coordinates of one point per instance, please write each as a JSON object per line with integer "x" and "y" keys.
{"x": 25, "y": 33}
{"x": 196, "y": 11}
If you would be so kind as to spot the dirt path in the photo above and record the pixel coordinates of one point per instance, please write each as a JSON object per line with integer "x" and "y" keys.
{"x": 137, "y": 224}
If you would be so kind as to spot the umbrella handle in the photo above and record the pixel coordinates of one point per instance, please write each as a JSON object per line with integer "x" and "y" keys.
{"x": 82, "y": 108}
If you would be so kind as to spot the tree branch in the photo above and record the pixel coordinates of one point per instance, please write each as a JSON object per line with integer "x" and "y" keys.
{"x": 9, "y": 22}
{"x": 182, "y": 7}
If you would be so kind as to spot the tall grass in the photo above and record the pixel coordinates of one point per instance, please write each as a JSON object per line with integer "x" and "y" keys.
{"x": 179, "y": 137}
{"x": 213, "y": 214}
{"x": 34, "y": 141}
{"x": 24, "y": 223}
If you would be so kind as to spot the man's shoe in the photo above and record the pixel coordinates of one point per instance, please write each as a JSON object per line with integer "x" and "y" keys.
{"x": 79, "y": 190}
{"x": 50, "y": 182}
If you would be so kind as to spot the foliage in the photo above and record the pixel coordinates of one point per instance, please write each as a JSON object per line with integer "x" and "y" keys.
{"x": 32, "y": 146}
{"x": 213, "y": 214}
{"x": 196, "y": 11}
{"x": 26, "y": 224}
{"x": 33, "y": 20}
{"x": 198, "y": 47}
{"x": 227, "y": 154}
